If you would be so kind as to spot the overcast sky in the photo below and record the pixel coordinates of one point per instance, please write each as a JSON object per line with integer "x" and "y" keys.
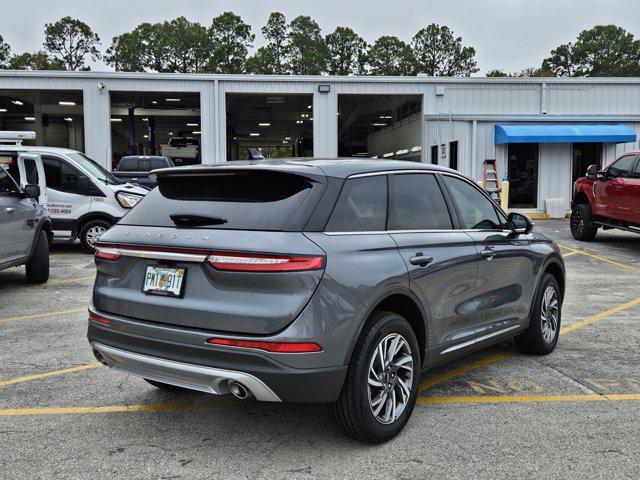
{"x": 507, "y": 34}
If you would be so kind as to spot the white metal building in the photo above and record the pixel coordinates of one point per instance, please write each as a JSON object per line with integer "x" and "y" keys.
{"x": 569, "y": 123}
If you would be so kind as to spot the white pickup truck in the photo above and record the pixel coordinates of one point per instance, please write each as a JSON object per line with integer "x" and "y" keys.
{"x": 182, "y": 150}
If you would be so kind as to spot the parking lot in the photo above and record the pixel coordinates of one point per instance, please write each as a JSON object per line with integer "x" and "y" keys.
{"x": 496, "y": 414}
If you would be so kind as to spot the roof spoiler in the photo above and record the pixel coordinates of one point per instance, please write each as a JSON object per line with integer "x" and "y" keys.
{"x": 16, "y": 136}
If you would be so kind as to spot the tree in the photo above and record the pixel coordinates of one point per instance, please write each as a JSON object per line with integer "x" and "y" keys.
{"x": 346, "y": 49}
{"x": 5, "y": 52}
{"x": 530, "y": 72}
{"x": 439, "y": 53}
{"x": 35, "y": 61}
{"x": 187, "y": 46}
{"x": 71, "y": 41}
{"x": 231, "y": 39}
{"x": 272, "y": 58}
{"x": 391, "y": 56}
{"x": 560, "y": 61}
{"x": 306, "y": 49}
{"x": 602, "y": 51}
{"x": 141, "y": 50}
{"x": 496, "y": 72}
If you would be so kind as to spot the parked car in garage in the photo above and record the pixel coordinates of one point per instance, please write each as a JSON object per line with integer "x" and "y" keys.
{"x": 333, "y": 281}
{"x": 83, "y": 198}
{"x": 135, "y": 169}
{"x": 607, "y": 199}
{"x": 25, "y": 229}
{"x": 182, "y": 150}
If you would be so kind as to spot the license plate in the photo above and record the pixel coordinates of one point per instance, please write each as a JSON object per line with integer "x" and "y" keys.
{"x": 164, "y": 281}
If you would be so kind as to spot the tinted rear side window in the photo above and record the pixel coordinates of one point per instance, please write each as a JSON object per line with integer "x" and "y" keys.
{"x": 361, "y": 207}
{"x": 239, "y": 200}
{"x": 417, "y": 203}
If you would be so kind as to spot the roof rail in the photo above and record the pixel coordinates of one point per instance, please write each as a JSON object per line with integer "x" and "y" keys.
{"x": 16, "y": 136}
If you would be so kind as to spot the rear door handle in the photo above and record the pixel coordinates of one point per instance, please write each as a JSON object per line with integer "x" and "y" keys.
{"x": 10, "y": 209}
{"x": 421, "y": 260}
{"x": 619, "y": 187}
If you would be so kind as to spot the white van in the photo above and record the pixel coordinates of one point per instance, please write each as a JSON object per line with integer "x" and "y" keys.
{"x": 83, "y": 198}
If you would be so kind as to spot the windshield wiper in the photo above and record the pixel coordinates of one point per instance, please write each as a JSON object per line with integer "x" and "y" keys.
{"x": 186, "y": 220}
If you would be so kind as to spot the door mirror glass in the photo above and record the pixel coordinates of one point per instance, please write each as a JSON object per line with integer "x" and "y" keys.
{"x": 32, "y": 191}
{"x": 83, "y": 184}
{"x": 592, "y": 172}
{"x": 520, "y": 223}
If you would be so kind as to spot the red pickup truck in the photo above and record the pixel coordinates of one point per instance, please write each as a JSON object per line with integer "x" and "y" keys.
{"x": 607, "y": 199}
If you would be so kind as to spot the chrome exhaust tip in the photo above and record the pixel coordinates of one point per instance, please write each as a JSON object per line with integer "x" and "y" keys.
{"x": 238, "y": 390}
{"x": 99, "y": 357}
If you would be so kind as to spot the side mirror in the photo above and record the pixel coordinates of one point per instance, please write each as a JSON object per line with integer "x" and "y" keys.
{"x": 592, "y": 172}
{"x": 83, "y": 184}
{"x": 31, "y": 191}
{"x": 520, "y": 223}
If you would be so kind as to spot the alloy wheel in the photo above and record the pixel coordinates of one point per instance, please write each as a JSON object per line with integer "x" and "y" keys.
{"x": 549, "y": 314}
{"x": 93, "y": 234}
{"x": 390, "y": 378}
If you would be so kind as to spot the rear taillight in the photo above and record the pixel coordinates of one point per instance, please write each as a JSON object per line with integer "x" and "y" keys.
{"x": 276, "y": 347}
{"x": 247, "y": 262}
{"x": 98, "y": 319}
{"x": 107, "y": 252}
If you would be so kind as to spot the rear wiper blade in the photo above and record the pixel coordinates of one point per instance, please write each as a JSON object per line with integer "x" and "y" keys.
{"x": 186, "y": 220}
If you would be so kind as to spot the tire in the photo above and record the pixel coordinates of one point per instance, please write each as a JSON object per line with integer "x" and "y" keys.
{"x": 537, "y": 340}
{"x": 582, "y": 227}
{"x": 354, "y": 411}
{"x": 38, "y": 265}
{"x": 163, "y": 386}
{"x": 89, "y": 231}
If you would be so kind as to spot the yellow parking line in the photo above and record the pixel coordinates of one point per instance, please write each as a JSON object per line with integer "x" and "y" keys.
{"x": 67, "y": 280}
{"x": 40, "y": 315}
{"x": 595, "y": 318}
{"x": 456, "y": 372}
{"x": 565, "y": 255}
{"x": 121, "y": 408}
{"x": 37, "y": 376}
{"x": 602, "y": 259}
{"x": 529, "y": 398}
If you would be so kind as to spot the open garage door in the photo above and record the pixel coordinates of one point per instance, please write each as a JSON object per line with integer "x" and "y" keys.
{"x": 156, "y": 123}
{"x": 269, "y": 126}
{"x": 380, "y": 126}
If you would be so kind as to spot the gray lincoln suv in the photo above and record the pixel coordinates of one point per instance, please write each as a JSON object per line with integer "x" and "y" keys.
{"x": 333, "y": 281}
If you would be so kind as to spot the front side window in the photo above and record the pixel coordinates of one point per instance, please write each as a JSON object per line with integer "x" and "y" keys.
{"x": 621, "y": 168}
{"x": 417, "y": 203}
{"x": 361, "y": 207}
{"x": 636, "y": 171}
{"x": 476, "y": 211}
{"x": 7, "y": 186}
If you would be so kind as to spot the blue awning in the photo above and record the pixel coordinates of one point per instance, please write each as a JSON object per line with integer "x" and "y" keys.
{"x": 564, "y": 133}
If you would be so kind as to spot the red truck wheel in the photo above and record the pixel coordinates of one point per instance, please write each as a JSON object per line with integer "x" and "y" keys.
{"x": 582, "y": 226}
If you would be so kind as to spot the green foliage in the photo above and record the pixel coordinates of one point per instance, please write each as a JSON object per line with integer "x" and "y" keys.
{"x": 35, "y": 61}
{"x": 496, "y": 72}
{"x": 439, "y": 53}
{"x": 307, "y": 52}
{"x": 391, "y": 56}
{"x": 602, "y": 51}
{"x": 346, "y": 52}
{"x": 143, "y": 49}
{"x": 231, "y": 39}
{"x": 71, "y": 41}
{"x": 5, "y": 52}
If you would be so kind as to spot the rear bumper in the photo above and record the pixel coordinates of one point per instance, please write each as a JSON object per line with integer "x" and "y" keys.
{"x": 175, "y": 355}
{"x": 194, "y": 377}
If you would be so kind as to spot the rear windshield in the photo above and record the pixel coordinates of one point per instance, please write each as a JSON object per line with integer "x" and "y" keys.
{"x": 239, "y": 200}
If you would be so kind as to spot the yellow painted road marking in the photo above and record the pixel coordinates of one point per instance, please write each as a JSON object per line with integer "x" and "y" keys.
{"x": 67, "y": 280}
{"x": 37, "y": 376}
{"x": 456, "y": 372}
{"x": 120, "y": 408}
{"x": 529, "y": 398}
{"x": 602, "y": 259}
{"x": 40, "y": 315}
{"x": 595, "y": 318}
{"x": 565, "y": 255}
